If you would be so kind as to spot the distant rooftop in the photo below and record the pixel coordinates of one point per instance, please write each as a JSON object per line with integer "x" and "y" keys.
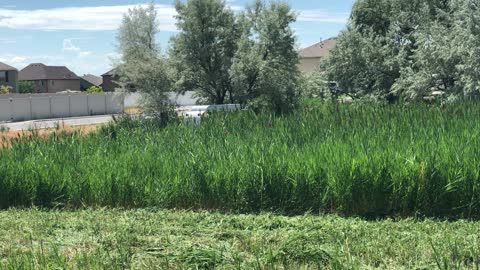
{"x": 318, "y": 50}
{"x": 40, "y": 71}
{"x": 95, "y": 80}
{"x": 5, "y": 67}
{"x": 110, "y": 73}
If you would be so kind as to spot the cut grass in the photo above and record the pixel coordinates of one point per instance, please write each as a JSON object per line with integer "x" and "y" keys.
{"x": 158, "y": 239}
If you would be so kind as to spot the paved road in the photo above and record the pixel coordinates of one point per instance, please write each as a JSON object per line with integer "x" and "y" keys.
{"x": 52, "y": 123}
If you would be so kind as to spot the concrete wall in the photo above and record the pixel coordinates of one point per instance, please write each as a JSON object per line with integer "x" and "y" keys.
{"x": 18, "y": 107}
{"x": 12, "y": 80}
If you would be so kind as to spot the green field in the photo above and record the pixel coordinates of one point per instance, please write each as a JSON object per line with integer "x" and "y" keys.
{"x": 158, "y": 239}
{"x": 362, "y": 160}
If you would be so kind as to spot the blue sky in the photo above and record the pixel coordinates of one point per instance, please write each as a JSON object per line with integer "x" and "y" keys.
{"x": 80, "y": 34}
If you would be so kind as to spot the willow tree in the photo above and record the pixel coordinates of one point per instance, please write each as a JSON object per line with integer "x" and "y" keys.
{"x": 143, "y": 68}
{"x": 408, "y": 49}
{"x": 202, "y": 52}
{"x": 248, "y": 58}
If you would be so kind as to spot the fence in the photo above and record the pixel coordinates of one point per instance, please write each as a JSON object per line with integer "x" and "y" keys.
{"x": 18, "y": 107}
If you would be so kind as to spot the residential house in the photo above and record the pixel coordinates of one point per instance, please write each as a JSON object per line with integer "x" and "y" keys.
{"x": 50, "y": 79}
{"x": 89, "y": 80}
{"x": 109, "y": 81}
{"x": 311, "y": 57}
{"x": 9, "y": 76}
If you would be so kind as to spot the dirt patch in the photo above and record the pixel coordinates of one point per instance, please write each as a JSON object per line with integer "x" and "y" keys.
{"x": 133, "y": 110}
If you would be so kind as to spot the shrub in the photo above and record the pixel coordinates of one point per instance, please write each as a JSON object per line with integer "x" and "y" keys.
{"x": 5, "y": 89}
{"x": 26, "y": 87}
{"x": 94, "y": 89}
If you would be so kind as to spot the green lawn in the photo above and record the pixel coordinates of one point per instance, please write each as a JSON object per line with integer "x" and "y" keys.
{"x": 145, "y": 239}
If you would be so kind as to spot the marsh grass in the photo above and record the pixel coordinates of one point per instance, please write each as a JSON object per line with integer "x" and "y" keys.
{"x": 367, "y": 160}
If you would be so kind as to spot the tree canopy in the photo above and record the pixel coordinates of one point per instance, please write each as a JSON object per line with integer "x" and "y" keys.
{"x": 247, "y": 58}
{"x": 409, "y": 49}
{"x": 143, "y": 68}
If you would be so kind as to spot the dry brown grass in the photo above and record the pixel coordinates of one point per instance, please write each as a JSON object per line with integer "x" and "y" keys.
{"x": 6, "y": 137}
{"x": 133, "y": 110}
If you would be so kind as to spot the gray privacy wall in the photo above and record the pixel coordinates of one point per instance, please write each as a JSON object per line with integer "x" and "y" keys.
{"x": 18, "y": 107}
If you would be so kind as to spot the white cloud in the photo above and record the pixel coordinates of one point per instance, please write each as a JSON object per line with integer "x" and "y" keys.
{"x": 69, "y": 47}
{"x": 14, "y": 60}
{"x": 101, "y": 18}
{"x": 322, "y": 16}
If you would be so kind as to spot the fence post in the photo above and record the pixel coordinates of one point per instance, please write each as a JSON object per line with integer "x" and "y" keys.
{"x": 88, "y": 105}
{"x": 31, "y": 108}
{"x": 105, "y": 99}
{"x": 50, "y": 106}
{"x": 11, "y": 110}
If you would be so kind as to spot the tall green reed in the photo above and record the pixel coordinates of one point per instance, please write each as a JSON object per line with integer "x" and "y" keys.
{"x": 349, "y": 159}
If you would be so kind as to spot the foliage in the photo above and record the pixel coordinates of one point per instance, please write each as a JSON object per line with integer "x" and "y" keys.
{"x": 143, "y": 68}
{"x": 264, "y": 72}
{"x": 248, "y": 58}
{"x": 94, "y": 89}
{"x": 203, "y": 50}
{"x": 159, "y": 239}
{"x": 408, "y": 49}
{"x": 348, "y": 159}
{"x": 5, "y": 89}
{"x": 315, "y": 85}
{"x": 26, "y": 87}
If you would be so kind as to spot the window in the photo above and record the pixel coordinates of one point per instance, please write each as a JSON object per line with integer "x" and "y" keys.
{"x": 53, "y": 82}
{"x": 3, "y": 76}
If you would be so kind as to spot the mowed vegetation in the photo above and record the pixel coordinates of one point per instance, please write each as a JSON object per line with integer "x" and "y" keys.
{"x": 370, "y": 161}
{"x": 157, "y": 239}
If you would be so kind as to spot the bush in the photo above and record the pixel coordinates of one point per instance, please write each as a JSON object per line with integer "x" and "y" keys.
{"x": 26, "y": 87}
{"x": 315, "y": 85}
{"x": 5, "y": 89}
{"x": 94, "y": 89}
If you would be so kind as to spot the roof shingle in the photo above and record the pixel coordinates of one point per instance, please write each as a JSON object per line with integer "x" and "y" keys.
{"x": 5, "y": 67}
{"x": 34, "y": 72}
{"x": 319, "y": 50}
{"x": 95, "y": 80}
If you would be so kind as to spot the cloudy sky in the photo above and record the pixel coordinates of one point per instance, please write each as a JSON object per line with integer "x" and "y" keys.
{"x": 80, "y": 34}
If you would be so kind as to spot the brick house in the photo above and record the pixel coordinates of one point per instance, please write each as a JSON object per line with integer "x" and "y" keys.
{"x": 9, "y": 77}
{"x": 311, "y": 57}
{"x": 50, "y": 79}
{"x": 109, "y": 81}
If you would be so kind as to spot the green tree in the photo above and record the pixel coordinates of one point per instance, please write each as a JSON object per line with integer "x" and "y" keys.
{"x": 26, "y": 87}
{"x": 315, "y": 85}
{"x": 143, "y": 68}
{"x": 265, "y": 70}
{"x": 404, "y": 48}
{"x": 467, "y": 41}
{"x": 202, "y": 52}
{"x": 94, "y": 89}
{"x": 249, "y": 58}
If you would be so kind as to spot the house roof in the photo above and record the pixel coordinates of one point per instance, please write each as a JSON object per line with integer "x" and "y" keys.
{"x": 5, "y": 67}
{"x": 110, "y": 73}
{"x": 318, "y": 50}
{"x": 39, "y": 71}
{"x": 95, "y": 80}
